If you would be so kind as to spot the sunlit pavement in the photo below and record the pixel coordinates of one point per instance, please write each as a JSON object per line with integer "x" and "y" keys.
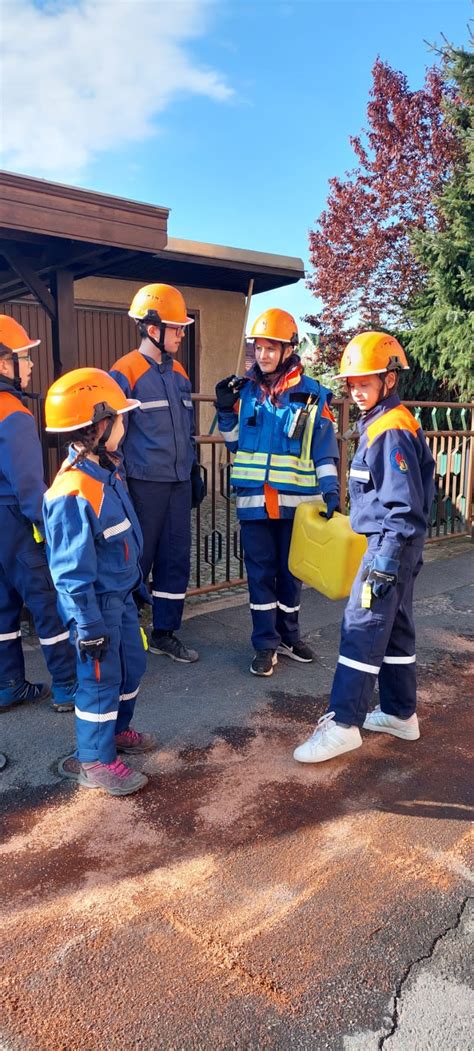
{"x": 242, "y": 900}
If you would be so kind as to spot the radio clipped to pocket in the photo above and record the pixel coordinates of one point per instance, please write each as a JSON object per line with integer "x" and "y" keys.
{"x": 301, "y": 417}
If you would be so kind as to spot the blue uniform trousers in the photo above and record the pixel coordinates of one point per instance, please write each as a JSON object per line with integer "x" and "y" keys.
{"x": 274, "y": 591}
{"x": 25, "y": 580}
{"x": 379, "y": 641}
{"x": 164, "y": 512}
{"x": 107, "y": 691}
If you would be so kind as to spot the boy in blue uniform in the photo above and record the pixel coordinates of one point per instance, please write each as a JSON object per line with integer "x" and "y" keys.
{"x": 160, "y": 457}
{"x": 24, "y": 575}
{"x": 391, "y": 491}
{"x": 94, "y": 546}
{"x": 281, "y": 429}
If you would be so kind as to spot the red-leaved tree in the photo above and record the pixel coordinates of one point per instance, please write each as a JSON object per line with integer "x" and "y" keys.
{"x": 364, "y": 271}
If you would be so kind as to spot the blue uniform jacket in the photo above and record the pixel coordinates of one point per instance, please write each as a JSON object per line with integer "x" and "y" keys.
{"x": 93, "y": 542}
{"x": 267, "y": 456}
{"x": 391, "y": 478}
{"x": 21, "y": 461}
{"x": 159, "y": 440}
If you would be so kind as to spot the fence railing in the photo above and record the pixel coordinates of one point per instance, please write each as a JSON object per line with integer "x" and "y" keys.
{"x": 449, "y": 429}
{"x": 217, "y": 559}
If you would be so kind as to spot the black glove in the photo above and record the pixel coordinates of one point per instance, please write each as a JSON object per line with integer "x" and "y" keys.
{"x": 381, "y": 574}
{"x": 93, "y": 648}
{"x": 332, "y": 504}
{"x": 226, "y": 395}
{"x": 198, "y": 486}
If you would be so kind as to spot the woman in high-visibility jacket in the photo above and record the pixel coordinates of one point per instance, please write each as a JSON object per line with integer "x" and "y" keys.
{"x": 94, "y": 545}
{"x": 278, "y": 422}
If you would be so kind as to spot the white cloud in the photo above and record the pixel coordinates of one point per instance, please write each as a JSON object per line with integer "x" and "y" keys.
{"x": 79, "y": 78}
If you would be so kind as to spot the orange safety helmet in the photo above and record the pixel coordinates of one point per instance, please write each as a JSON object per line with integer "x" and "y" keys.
{"x": 13, "y": 336}
{"x": 82, "y": 397}
{"x": 275, "y": 324}
{"x": 158, "y": 304}
{"x": 371, "y": 353}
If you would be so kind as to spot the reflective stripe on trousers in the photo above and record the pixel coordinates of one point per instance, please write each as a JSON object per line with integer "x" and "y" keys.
{"x": 379, "y": 641}
{"x": 274, "y": 591}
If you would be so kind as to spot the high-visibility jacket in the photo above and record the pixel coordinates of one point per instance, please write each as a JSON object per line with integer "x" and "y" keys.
{"x": 21, "y": 462}
{"x": 391, "y": 482}
{"x": 272, "y": 471}
{"x": 159, "y": 441}
{"x": 93, "y": 541}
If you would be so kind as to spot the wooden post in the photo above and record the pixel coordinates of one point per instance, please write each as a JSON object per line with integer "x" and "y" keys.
{"x": 64, "y": 328}
{"x": 241, "y": 355}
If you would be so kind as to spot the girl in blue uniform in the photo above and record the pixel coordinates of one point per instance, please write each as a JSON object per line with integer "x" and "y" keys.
{"x": 94, "y": 545}
{"x": 391, "y": 491}
{"x": 280, "y": 426}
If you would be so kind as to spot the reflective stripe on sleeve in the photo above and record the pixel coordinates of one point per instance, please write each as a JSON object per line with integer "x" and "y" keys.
{"x": 114, "y": 530}
{"x": 327, "y": 470}
{"x": 10, "y": 635}
{"x": 364, "y": 476}
{"x": 53, "y": 639}
{"x": 96, "y": 717}
{"x": 162, "y": 404}
{"x": 230, "y": 436}
{"x": 358, "y": 665}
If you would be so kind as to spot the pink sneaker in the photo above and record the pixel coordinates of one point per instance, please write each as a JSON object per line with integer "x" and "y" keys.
{"x": 131, "y": 742}
{"x": 115, "y": 778}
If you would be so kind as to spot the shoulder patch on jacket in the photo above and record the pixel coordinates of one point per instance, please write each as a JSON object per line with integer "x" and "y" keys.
{"x": 9, "y": 404}
{"x": 177, "y": 367}
{"x": 397, "y": 419}
{"x": 132, "y": 365}
{"x": 76, "y": 483}
{"x": 327, "y": 414}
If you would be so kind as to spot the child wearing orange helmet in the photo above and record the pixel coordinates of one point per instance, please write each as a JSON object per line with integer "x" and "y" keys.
{"x": 24, "y": 575}
{"x": 391, "y": 492}
{"x": 159, "y": 453}
{"x": 94, "y": 546}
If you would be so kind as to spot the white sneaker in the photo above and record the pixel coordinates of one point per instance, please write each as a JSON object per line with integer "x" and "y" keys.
{"x": 327, "y": 741}
{"x": 408, "y": 729}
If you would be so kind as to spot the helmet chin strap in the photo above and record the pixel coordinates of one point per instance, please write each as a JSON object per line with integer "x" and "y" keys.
{"x": 100, "y": 449}
{"x": 16, "y": 373}
{"x": 158, "y": 343}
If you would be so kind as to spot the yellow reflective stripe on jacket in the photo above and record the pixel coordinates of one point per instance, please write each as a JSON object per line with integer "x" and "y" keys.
{"x": 308, "y": 434}
{"x": 297, "y": 464}
{"x": 243, "y": 457}
{"x": 251, "y": 474}
{"x": 289, "y": 478}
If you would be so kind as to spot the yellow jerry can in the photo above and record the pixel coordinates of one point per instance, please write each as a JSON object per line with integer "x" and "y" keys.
{"x": 325, "y": 554}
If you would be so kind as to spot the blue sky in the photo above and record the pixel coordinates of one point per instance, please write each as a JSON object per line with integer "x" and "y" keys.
{"x": 232, "y": 114}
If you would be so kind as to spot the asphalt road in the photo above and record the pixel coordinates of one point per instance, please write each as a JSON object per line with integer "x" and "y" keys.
{"x": 242, "y": 900}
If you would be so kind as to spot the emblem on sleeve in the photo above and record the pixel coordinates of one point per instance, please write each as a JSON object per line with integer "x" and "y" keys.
{"x": 398, "y": 461}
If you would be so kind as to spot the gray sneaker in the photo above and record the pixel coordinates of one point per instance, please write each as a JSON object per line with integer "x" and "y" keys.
{"x": 296, "y": 651}
{"x": 169, "y": 644}
{"x": 263, "y": 662}
{"x": 115, "y": 778}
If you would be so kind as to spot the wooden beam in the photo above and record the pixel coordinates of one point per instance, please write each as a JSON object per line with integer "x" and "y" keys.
{"x": 32, "y": 281}
{"x": 64, "y": 327}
